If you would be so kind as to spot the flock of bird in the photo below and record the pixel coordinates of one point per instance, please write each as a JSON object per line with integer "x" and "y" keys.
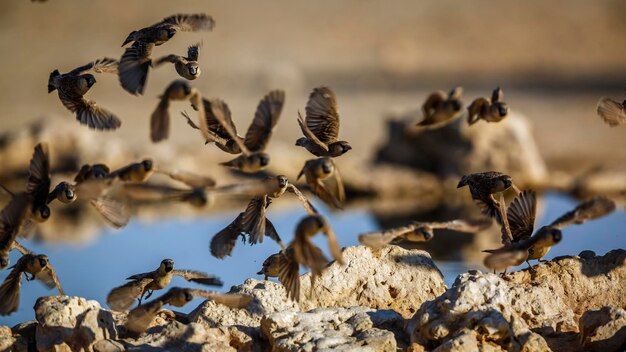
{"x": 320, "y": 129}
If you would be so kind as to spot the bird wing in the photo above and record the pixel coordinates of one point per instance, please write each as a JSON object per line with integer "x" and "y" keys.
{"x": 113, "y": 211}
{"x": 140, "y": 318}
{"x": 289, "y": 274}
{"x": 223, "y": 242}
{"x": 49, "y": 277}
{"x": 267, "y": 114}
{"x": 121, "y": 298}
{"x": 497, "y": 95}
{"x": 193, "y": 52}
{"x": 39, "y": 172}
{"x": 11, "y": 220}
{"x": 88, "y": 112}
{"x": 10, "y": 290}
{"x": 318, "y": 188}
{"x": 189, "y": 23}
{"x": 253, "y": 222}
{"x": 213, "y": 122}
{"x": 611, "y": 111}
{"x": 270, "y": 231}
{"x": 591, "y": 209}
{"x": 134, "y": 66}
{"x": 378, "y": 239}
{"x": 198, "y": 277}
{"x": 189, "y": 178}
{"x": 167, "y": 58}
{"x": 469, "y": 225}
{"x": 429, "y": 105}
{"x": 474, "y": 109}
{"x": 160, "y": 120}
{"x": 305, "y": 202}
{"x": 501, "y": 260}
{"x": 308, "y": 134}
{"x": 521, "y": 215}
{"x": 231, "y": 300}
{"x": 322, "y": 117}
{"x": 220, "y": 111}
{"x": 149, "y": 192}
{"x": 104, "y": 65}
{"x": 333, "y": 245}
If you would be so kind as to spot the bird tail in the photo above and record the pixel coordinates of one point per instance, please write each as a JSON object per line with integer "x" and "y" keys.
{"x": 462, "y": 182}
{"x": 54, "y": 74}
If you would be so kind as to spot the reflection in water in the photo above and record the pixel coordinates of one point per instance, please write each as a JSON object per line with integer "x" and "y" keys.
{"x": 91, "y": 270}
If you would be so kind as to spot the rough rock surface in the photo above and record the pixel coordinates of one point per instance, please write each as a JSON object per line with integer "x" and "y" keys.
{"x": 71, "y": 323}
{"x": 603, "y": 329}
{"x": 6, "y": 338}
{"x": 458, "y": 149}
{"x": 333, "y": 329}
{"x": 176, "y": 336}
{"x": 475, "y": 314}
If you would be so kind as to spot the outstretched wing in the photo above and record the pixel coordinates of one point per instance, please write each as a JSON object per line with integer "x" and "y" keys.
{"x": 379, "y": 239}
{"x": 232, "y": 300}
{"x": 121, "y": 298}
{"x": 267, "y": 114}
{"x": 253, "y": 222}
{"x": 113, "y": 211}
{"x": 303, "y": 200}
{"x": 88, "y": 112}
{"x": 223, "y": 242}
{"x": 49, "y": 277}
{"x": 199, "y": 277}
{"x": 289, "y": 274}
{"x": 521, "y": 215}
{"x": 104, "y": 65}
{"x": 591, "y": 209}
{"x": 322, "y": 117}
{"x": 612, "y": 112}
{"x": 189, "y": 23}
{"x": 190, "y": 179}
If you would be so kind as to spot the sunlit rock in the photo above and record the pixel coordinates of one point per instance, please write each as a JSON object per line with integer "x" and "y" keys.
{"x": 603, "y": 329}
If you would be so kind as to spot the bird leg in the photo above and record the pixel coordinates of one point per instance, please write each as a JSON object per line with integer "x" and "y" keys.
{"x": 31, "y": 278}
{"x": 530, "y": 267}
{"x": 542, "y": 260}
{"x": 149, "y": 294}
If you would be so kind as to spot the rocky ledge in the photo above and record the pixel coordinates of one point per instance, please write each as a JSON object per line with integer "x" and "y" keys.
{"x": 381, "y": 300}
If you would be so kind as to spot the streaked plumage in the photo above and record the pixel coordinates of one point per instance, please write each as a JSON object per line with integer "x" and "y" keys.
{"x": 321, "y": 125}
{"x": 121, "y": 298}
{"x": 186, "y": 67}
{"x": 72, "y": 87}
{"x": 494, "y": 110}
{"x": 214, "y": 131}
{"x": 611, "y": 111}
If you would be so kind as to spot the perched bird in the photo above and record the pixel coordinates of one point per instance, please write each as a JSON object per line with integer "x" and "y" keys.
{"x": 122, "y": 297}
{"x": 38, "y": 266}
{"x": 271, "y": 266}
{"x": 321, "y": 125}
{"x": 214, "y": 131}
{"x": 315, "y": 172}
{"x": 441, "y": 109}
{"x": 252, "y": 158}
{"x": 139, "y": 319}
{"x": 134, "y": 172}
{"x": 187, "y": 67}
{"x": 136, "y": 61}
{"x": 160, "y": 119}
{"x": 494, "y": 110}
{"x": 72, "y": 87}
{"x": 12, "y": 218}
{"x": 301, "y": 251}
{"x": 525, "y": 246}
{"x": 611, "y": 111}
{"x": 253, "y": 221}
{"x": 421, "y": 231}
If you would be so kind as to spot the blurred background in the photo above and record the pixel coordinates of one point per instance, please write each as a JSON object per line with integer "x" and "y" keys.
{"x": 553, "y": 60}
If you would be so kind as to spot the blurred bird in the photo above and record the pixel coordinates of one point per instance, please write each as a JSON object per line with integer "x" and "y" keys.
{"x": 252, "y": 221}
{"x": 12, "y": 218}
{"x": 521, "y": 219}
{"x": 160, "y": 119}
{"x": 301, "y": 251}
{"x": 140, "y": 318}
{"x": 92, "y": 172}
{"x": 494, "y": 110}
{"x": 214, "y": 131}
{"x": 421, "y": 231}
{"x": 135, "y": 62}
{"x": 186, "y": 67}
{"x": 38, "y": 266}
{"x": 612, "y": 112}
{"x": 134, "y": 172}
{"x": 253, "y": 157}
{"x": 121, "y": 298}
{"x": 72, "y": 87}
{"x": 441, "y": 109}
{"x": 315, "y": 172}
{"x": 271, "y": 265}
{"x": 321, "y": 125}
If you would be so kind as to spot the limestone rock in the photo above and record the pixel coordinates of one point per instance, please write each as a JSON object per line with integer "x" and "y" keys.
{"x": 557, "y": 293}
{"x": 6, "y": 338}
{"x": 475, "y": 312}
{"x": 388, "y": 278}
{"x": 71, "y": 323}
{"x": 176, "y": 336}
{"x": 603, "y": 329}
{"x": 332, "y": 329}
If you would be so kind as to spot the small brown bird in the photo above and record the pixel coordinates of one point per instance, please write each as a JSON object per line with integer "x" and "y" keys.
{"x": 214, "y": 131}
{"x": 12, "y": 218}
{"x": 253, "y": 221}
{"x": 160, "y": 119}
{"x": 72, "y": 87}
{"x": 92, "y": 172}
{"x": 611, "y": 111}
{"x": 317, "y": 170}
{"x": 271, "y": 265}
{"x": 521, "y": 219}
{"x": 321, "y": 125}
{"x": 494, "y": 110}
{"x": 135, "y": 62}
{"x": 134, "y": 172}
{"x": 38, "y": 266}
{"x": 139, "y": 319}
{"x": 186, "y": 67}
{"x": 121, "y": 298}
{"x": 253, "y": 157}
{"x": 302, "y": 251}
{"x": 421, "y": 231}
{"x": 441, "y": 109}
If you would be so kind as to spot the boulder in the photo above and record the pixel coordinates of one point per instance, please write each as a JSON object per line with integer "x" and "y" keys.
{"x": 603, "y": 329}
{"x": 176, "y": 336}
{"x": 6, "y": 338}
{"x": 333, "y": 329}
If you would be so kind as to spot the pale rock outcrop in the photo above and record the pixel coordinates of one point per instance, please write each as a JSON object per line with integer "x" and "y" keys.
{"x": 603, "y": 330}
{"x": 6, "y": 338}
{"x": 71, "y": 323}
{"x": 332, "y": 329}
{"x": 474, "y": 313}
{"x": 176, "y": 336}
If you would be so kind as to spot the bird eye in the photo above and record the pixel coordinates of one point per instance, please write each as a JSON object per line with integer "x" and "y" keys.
{"x": 193, "y": 70}
{"x": 44, "y": 212}
{"x": 69, "y": 194}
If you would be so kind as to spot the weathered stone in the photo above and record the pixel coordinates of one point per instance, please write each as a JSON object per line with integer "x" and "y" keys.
{"x": 71, "y": 322}
{"x": 176, "y": 336}
{"x": 389, "y": 278}
{"x": 603, "y": 329}
{"x": 6, "y": 338}
{"x": 332, "y": 329}
{"x": 24, "y": 334}
{"x": 476, "y": 308}
{"x": 108, "y": 346}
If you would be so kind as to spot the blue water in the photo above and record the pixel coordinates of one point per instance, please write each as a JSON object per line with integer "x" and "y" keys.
{"x": 92, "y": 270}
